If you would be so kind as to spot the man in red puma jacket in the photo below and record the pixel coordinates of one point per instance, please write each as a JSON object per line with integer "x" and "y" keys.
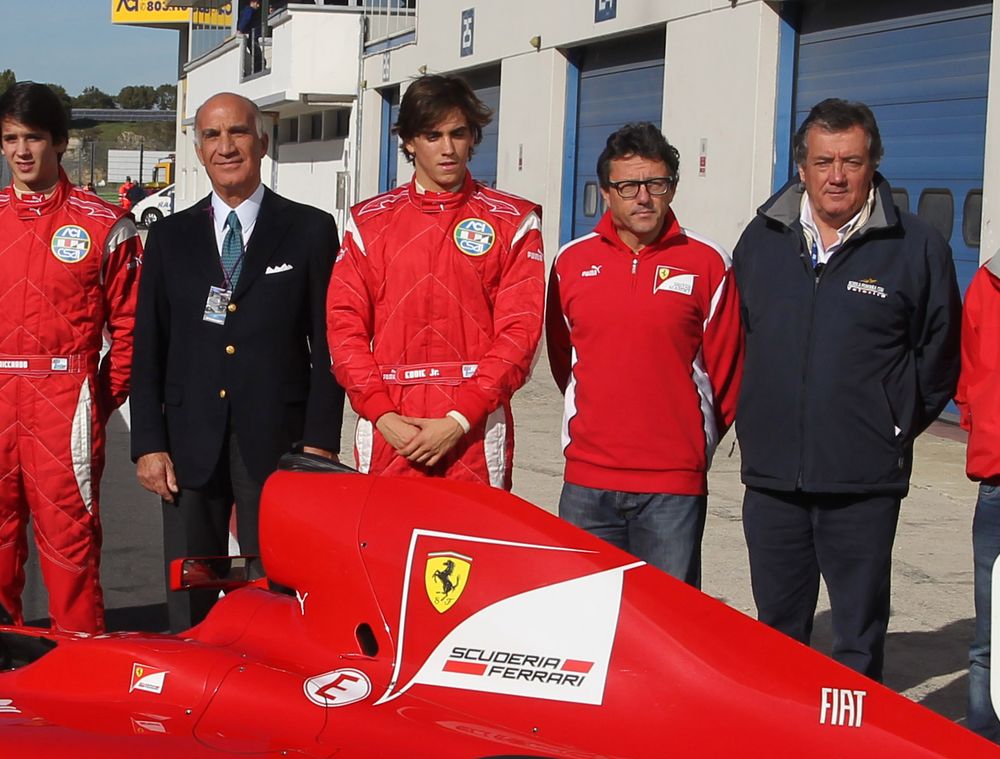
{"x": 643, "y": 334}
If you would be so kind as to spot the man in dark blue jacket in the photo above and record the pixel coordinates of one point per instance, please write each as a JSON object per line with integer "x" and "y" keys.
{"x": 852, "y": 317}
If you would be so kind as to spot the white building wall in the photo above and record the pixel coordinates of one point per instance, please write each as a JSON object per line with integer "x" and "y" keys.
{"x": 532, "y": 122}
{"x": 307, "y": 173}
{"x": 720, "y": 99}
{"x": 314, "y": 65}
{"x": 990, "y": 240}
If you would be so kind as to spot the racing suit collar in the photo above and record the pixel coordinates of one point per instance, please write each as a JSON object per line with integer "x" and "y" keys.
{"x": 671, "y": 229}
{"x": 432, "y": 202}
{"x": 32, "y": 205}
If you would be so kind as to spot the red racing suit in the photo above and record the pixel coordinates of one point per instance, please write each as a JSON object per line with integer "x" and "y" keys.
{"x": 978, "y": 397}
{"x": 647, "y": 348}
{"x": 69, "y": 267}
{"x": 435, "y": 305}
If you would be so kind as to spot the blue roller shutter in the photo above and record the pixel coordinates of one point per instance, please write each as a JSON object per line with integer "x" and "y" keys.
{"x": 619, "y": 82}
{"x": 389, "y": 149}
{"x": 925, "y": 77}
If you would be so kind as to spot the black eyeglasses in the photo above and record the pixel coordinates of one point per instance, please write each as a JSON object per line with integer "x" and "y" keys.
{"x": 629, "y": 188}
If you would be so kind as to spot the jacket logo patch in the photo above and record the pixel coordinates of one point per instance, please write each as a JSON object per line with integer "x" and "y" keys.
{"x": 866, "y": 287}
{"x": 474, "y": 237}
{"x": 673, "y": 281}
{"x": 593, "y": 271}
{"x": 70, "y": 244}
{"x": 445, "y": 578}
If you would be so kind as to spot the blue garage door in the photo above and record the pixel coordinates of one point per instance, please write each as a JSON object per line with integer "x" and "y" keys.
{"x": 619, "y": 82}
{"x": 486, "y": 84}
{"x": 389, "y": 150}
{"x": 925, "y": 78}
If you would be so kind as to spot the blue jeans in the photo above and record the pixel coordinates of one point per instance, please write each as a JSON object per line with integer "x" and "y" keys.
{"x": 982, "y": 718}
{"x": 661, "y": 529}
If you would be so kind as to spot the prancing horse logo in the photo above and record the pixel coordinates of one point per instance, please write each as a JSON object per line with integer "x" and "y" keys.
{"x": 445, "y": 578}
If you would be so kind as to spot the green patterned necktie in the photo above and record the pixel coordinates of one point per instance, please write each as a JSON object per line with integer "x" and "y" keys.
{"x": 232, "y": 250}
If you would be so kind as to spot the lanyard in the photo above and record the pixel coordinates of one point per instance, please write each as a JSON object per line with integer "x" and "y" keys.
{"x": 227, "y": 276}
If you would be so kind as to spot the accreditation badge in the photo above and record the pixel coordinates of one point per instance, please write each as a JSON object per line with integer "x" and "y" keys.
{"x": 216, "y": 305}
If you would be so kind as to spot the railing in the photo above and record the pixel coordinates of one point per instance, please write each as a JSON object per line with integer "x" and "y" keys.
{"x": 388, "y": 18}
{"x": 122, "y": 114}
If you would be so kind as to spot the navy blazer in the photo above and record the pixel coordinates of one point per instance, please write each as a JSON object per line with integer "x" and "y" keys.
{"x": 265, "y": 371}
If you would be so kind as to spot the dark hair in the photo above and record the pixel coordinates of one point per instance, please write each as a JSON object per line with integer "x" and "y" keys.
{"x": 36, "y": 106}
{"x": 431, "y": 98}
{"x": 641, "y": 139}
{"x": 836, "y": 115}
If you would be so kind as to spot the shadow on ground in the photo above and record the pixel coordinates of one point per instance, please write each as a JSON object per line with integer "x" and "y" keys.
{"x": 912, "y": 658}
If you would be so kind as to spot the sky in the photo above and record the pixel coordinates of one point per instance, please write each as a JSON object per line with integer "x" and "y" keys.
{"x": 73, "y": 43}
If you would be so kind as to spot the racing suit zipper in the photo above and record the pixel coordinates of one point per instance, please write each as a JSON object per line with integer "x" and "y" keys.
{"x": 635, "y": 265}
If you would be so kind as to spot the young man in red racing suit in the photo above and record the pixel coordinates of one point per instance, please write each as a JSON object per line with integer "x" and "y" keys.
{"x": 435, "y": 304}
{"x": 70, "y": 270}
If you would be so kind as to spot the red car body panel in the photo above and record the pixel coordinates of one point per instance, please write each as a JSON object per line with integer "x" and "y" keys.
{"x": 537, "y": 639}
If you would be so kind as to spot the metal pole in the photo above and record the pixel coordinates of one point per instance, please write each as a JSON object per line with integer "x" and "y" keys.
{"x": 93, "y": 148}
{"x": 79, "y": 165}
{"x": 141, "y": 148}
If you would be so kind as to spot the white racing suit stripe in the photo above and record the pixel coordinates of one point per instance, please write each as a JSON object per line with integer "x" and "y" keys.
{"x": 80, "y": 445}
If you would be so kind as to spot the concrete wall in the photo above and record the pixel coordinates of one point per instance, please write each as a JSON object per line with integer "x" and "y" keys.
{"x": 307, "y": 172}
{"x": 724, "y": 105}
{"x": 314, "y": 63}
{"x": 532, "y": 122}
{"x": 991, "y": 175}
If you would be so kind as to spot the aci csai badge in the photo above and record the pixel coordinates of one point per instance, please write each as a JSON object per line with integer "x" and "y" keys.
{"x": 474, "y": 237}
{"x": 70, "y": 244}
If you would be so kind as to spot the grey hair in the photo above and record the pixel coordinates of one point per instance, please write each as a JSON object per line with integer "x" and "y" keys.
{"x": 258, "y": 116}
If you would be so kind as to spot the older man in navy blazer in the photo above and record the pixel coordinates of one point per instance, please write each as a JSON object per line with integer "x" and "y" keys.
{"x": 231, "y": 363}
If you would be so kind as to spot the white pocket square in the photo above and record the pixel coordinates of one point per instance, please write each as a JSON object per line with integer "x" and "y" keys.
{"x": 278, "y": 269}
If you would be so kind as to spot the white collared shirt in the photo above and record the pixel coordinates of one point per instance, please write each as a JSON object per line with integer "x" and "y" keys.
{"x": 813, "y": 236}
{"x": 246, "y": 211}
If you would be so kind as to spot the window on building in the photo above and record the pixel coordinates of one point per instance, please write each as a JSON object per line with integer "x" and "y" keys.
{"x": 315, "y": 126}
{"x": 901, "y": 198}
{"x": 590, "y": 199}
{"x": 937, "y": 208}
{"x": 972, "y": 218}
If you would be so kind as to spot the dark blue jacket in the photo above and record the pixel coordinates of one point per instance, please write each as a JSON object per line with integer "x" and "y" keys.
{"x": 843, "y": 370}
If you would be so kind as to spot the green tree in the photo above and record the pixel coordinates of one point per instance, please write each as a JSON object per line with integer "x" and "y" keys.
{"x": 7, "y": 80}
{"x": 63, "y": 96}
{"x": 140, "y": 97}
{"x": 93, "y": 97}
{"x": 166, "y": 97}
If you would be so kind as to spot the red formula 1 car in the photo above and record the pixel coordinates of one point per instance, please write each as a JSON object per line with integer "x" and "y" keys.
{"x": 440, "y": 619}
